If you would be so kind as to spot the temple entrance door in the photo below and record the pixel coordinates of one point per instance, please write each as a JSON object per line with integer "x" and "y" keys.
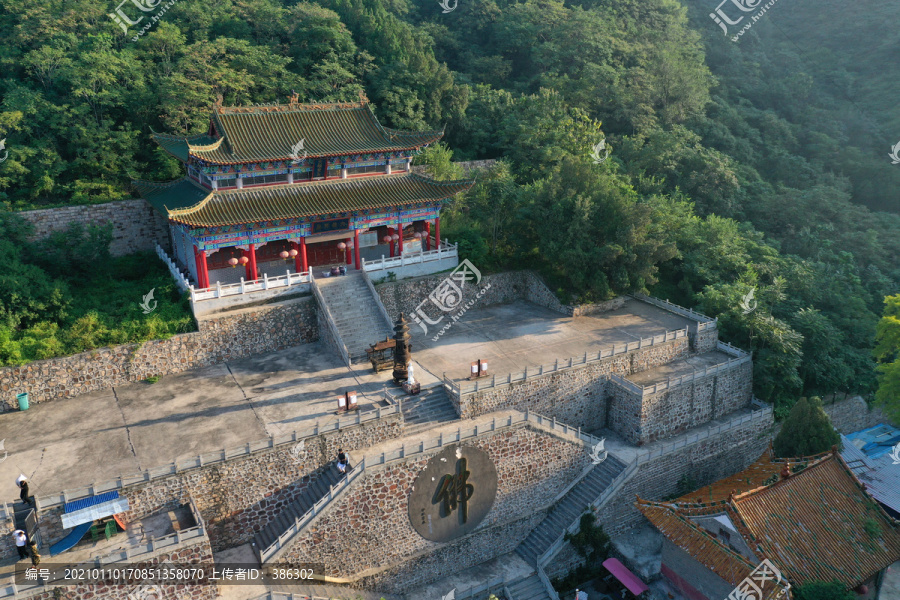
{"x": 325, "y": 253}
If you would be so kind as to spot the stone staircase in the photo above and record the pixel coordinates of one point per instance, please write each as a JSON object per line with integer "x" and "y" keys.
{"x": 529, "y": 588}
{"x": 431, "y": 407}
{"x": 359, "y": 321}
{"x": 568, "y": 509}
{"x": 318, "y": 486}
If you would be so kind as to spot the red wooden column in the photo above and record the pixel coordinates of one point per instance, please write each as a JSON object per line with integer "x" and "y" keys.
{"x": 200, "y": 262}
{"x": 254, "y": 274}
{"x": 391, "y": 232}
{"x": 437, "y": 232}
{"x": 356, "y": 247}
{"x": 246, "y": 253}
{"x": 348, "y": 254}
{"x": 303, "y": 262}
{"x": 427, "y": 235}
{"x": 297, "y": 263}
{"x": 205, "y": 268}
{"x": 400, "y": 241}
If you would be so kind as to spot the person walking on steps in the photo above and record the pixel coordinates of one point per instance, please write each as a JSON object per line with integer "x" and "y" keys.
{"x": 22, "y": 482}
{"x": 21, "y": 543}
{"x": 32, "y": 549}
{"x": 342, "y": 461}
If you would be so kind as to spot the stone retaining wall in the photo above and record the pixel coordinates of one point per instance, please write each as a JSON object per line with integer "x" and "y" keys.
{"x": 641, "y": 419}
{"x": 705, "y": 462}
{"x": 854, "y": 414}
{"x": 405, "y": 296}
{"x": 267, "y": 328}
{"x": 577, "y": 396}
{"x": 474, "y": 549}
{"x": 704, "y": 341}
{"x": 136, "y": 226}
{"x": 366, "y": 534}
{"x": 197, "y": 554}
{"x": 239, "y": 497}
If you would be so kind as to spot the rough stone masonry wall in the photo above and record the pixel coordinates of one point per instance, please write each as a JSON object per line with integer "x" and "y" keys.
{"x": 240, "y": 497}
{"x": 405, "y": 296}
{"x": 367, "y": 530}
{"x": 578, "y": 396}
{"x": 854, "y": 414}
{"x": 643, "y": 419}
{"x": 198, "y": 554}
{"x": 704, "y": 341}
{"x": 704, "y": 462}
{"x": 136, "y": 226}
{"x": 266, "y": 329}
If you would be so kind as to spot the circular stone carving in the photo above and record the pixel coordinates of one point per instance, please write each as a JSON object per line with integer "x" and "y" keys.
{"x": 453, "y": 493}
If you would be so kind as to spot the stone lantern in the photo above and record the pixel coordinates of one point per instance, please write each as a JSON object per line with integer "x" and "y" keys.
{"x": 402, "y": 351}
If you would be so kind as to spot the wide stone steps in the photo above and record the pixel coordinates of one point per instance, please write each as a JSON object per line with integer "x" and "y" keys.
{"x": 530, "y": 588}
{"x": 430, "y": 408}
{"x": 569, "y": 509}
{"x": 356, "y": 315}
{"x": 317, "y": 488}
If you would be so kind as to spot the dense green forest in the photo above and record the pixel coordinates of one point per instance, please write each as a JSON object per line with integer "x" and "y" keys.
{"x": 759, "y": 165}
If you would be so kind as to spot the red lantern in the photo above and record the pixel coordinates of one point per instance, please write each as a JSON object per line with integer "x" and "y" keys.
{"x": 395, "y": 237}
{"x": 244, "y": 260}
{"x": 417, "y": 235}
{"x": 386, "y": 239}
{"x": 293, "y": 253}
{"x": 233, "y": 262}
{"x": 284, "y": 254}
{"x": 350, "y": 246}
{"x": 342, "y": 246}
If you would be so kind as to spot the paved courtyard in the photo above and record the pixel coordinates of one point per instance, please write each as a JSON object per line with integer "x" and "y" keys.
{"x": 513, "y": 336}
{"x": 65, "y": 444}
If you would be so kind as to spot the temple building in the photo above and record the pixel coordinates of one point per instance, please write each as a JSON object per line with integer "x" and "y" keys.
{"x": 283, "y": 188}
{"x": 811, "y": 518}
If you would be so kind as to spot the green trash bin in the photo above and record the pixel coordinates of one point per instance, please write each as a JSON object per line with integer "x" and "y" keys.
{"x": 23, "y": 401}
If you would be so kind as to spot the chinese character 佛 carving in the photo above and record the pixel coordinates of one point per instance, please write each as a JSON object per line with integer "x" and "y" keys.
{"x": 454, "y": 492}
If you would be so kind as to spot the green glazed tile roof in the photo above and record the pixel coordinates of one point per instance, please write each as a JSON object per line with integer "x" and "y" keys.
{"x": 173, "y": 195}
{"x": 288, "y": 201}
{"x": 267, "y": 133}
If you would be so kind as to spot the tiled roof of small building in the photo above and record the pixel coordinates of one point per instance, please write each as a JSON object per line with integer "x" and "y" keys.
{"x": 270, "y": 133}
{"x": 764, "y": 471}
{"x": 672, "y": 521}
{"x": 178, "y": 201}
{"x": 818, "y": 524}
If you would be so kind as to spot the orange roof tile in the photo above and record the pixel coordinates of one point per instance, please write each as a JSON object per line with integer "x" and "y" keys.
{"x": 812, "y": 525}
{"x": 820, "y": 524}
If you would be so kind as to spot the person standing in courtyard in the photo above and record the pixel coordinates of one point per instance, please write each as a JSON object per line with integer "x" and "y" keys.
{"x": 21, "y": 543}
{"x": 342, "y": 461}
{"x": 22, "y": 482}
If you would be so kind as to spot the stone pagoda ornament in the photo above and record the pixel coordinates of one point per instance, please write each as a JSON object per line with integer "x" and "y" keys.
{"x": 402, "y": 351}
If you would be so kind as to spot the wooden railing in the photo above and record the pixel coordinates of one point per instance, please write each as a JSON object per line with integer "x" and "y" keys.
{"x": 329, "y": 319}
{"x": 221, "y": 456}
{"x": 447, "y": 250}
{"x": 463, "y": 388}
